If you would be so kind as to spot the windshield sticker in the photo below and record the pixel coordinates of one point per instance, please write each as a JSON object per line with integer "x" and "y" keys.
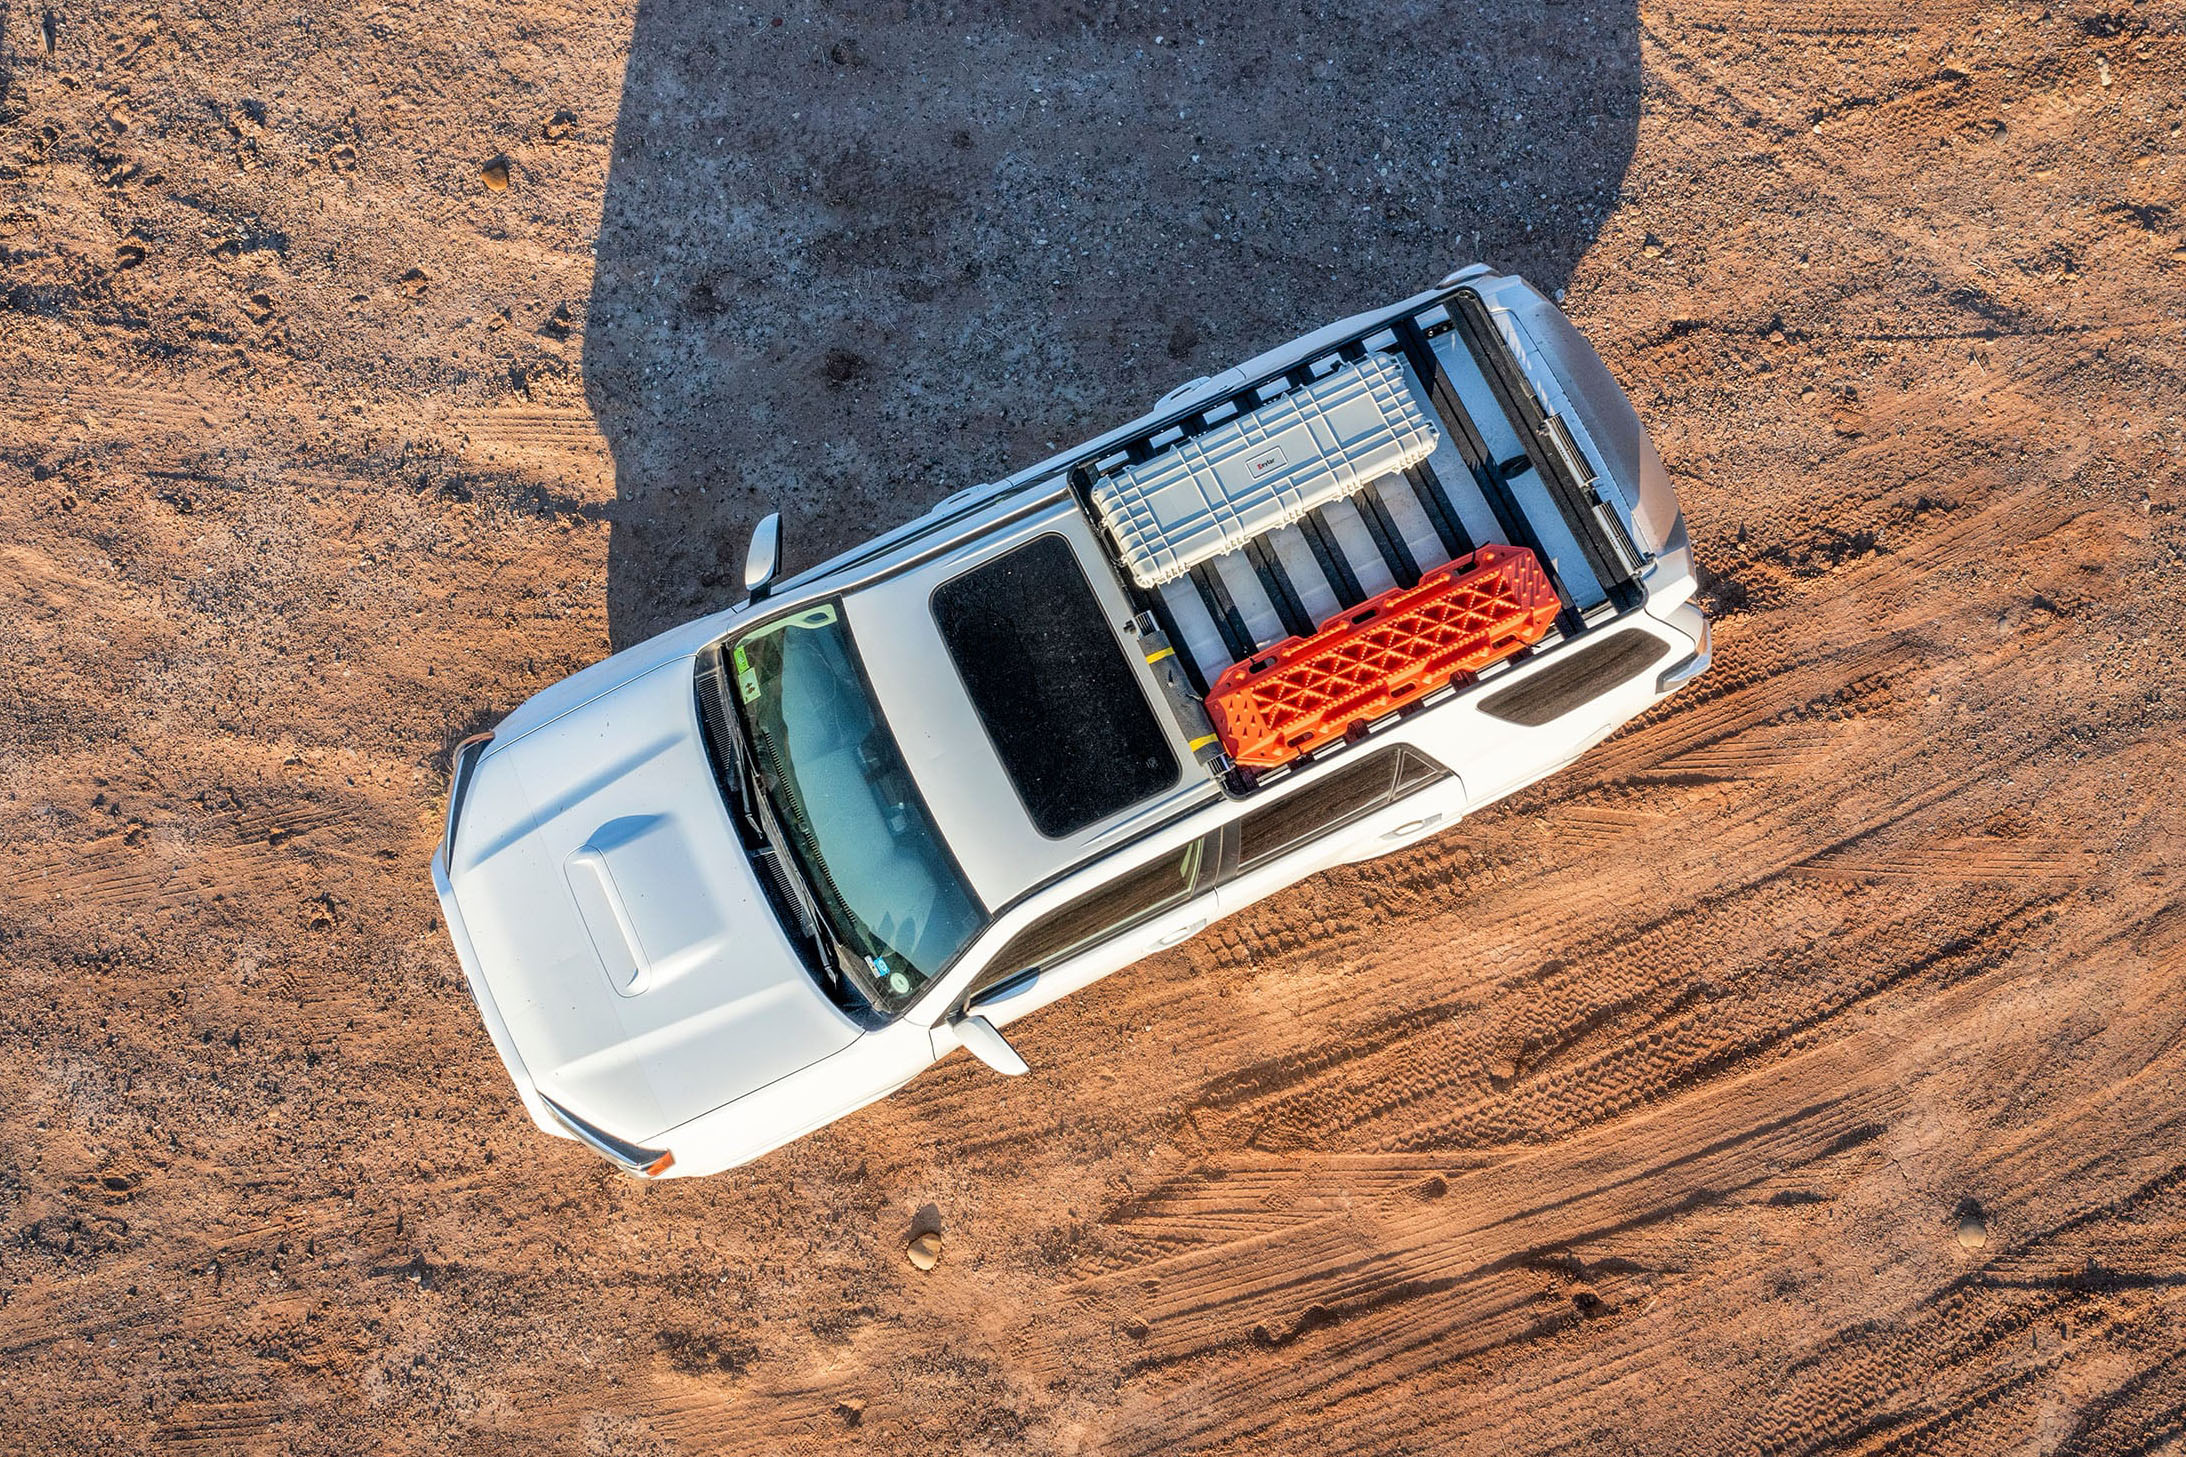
{"x": 895, "y": 981}
{"x": 747, "y": 681}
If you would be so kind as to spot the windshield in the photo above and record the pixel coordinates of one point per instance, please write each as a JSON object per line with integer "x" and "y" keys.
{"x": 894, "y": 901}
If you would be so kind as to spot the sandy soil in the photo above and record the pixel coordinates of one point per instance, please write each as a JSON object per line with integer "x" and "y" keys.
{"x": 1803, "y": 1069}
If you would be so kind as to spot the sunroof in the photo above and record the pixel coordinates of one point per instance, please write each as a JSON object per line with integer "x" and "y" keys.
{"x": 1049, "y": 679}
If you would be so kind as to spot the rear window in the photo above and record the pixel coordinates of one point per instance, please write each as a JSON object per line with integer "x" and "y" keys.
{"x": 1050, "y": 682}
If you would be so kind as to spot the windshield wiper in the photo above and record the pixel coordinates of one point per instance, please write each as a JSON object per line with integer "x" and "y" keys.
{"x": 755, "y": 807}
{"x": 839, "y": 959}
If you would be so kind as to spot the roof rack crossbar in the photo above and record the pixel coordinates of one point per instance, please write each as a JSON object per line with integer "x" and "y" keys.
{"x": 1329, "y": 557}
{"x": 1276, "y": 583}
{"x": 1380, "y": 525}
{"x": 1214, "y": 593}
{"x": 1440, "y": 514}
{"x": 1474, "y": 452}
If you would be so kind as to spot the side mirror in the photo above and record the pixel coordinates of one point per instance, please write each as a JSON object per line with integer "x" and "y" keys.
{"x": 982, "y": 1041}
{"x": 763, "y": 560}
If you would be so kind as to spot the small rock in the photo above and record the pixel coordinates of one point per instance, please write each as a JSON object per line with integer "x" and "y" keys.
{"x": 1652, "y": 246}
{"x": 851, "y": 1409}
{"x": 495, "y": 174}
{"x": 1973, "y": 1230}
{"x": 924, "y": 1252}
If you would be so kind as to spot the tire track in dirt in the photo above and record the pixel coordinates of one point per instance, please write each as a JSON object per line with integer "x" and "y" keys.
{"x": 1831, "y": 17}
{"x": 551, "y": 444}
{"x": 161, "y": 863}
{"x": 1625, "y": 1025}
{"x": 1960, "y": 1337}
{"x": 1960, "y": 1330}
{"x": 108, "y": 409}
{"x": 537, "y": 445}
{"x": 1454, "y": 1252}
{"x": 1962, "y": 859}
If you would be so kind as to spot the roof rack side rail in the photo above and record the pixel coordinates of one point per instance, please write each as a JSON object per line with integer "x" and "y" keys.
{"x": 1469, "y": 315}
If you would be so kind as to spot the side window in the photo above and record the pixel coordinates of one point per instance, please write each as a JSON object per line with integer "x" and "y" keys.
{"x": 1332, "y": 801}
{"x": 1416, "y": 771}
{"x": 1132, "y": 897}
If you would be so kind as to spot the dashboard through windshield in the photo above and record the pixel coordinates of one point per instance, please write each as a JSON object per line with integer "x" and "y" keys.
{"x": 895, "y": 906}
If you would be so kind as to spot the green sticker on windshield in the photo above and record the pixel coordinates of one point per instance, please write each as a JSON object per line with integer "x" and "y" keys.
{"x": 747, "y": 681}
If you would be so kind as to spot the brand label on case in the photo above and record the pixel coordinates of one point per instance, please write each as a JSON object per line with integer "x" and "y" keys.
{"x": 1267, "y": 460}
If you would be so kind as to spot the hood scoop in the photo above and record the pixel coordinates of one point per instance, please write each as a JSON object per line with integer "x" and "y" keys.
{"x": 638, "y": 889}
{"x": 607, "y": 916}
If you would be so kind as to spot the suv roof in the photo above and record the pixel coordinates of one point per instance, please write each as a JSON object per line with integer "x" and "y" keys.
{"x": 1052, "y": 686}
{"x": 1008, "y": 833}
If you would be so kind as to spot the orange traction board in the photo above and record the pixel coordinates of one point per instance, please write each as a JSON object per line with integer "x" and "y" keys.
{"x": 1364, "y": 662}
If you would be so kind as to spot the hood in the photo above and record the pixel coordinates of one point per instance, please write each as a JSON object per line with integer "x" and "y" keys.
{"x": 643, "y": 976}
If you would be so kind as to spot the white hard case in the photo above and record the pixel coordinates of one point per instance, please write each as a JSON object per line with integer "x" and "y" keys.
{"x": 1217, "y": 490}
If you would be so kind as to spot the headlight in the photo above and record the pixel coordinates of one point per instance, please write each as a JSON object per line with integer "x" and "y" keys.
{"x": 460, "y": 766}
{"x": 631, "y": 1159}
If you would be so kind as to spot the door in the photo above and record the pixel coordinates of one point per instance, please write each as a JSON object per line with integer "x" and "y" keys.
{"x": 1159, "y": 903}
{"x": 1371, "y": 803}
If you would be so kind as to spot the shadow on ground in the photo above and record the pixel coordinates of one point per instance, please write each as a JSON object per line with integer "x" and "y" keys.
{"x": 849, "y": 264}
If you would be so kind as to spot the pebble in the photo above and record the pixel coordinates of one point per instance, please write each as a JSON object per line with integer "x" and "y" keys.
{"x": 495, "y": 174}
{"x": 1973, "y": 1231}
{"x": 924, "y": 1252}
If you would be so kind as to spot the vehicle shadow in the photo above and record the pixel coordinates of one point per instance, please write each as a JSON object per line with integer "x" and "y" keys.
{"x": 848, "y": 264}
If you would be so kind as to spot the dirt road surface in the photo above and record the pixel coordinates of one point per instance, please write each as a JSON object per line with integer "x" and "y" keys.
{"x": 1804, "y": 1069}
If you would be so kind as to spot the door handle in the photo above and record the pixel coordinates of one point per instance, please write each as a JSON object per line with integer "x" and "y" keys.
{"x": 1413, "y": 827}
{"x": 1184, "y": 934}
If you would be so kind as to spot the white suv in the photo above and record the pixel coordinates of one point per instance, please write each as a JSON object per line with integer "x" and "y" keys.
{"x": 733, "y": 883}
